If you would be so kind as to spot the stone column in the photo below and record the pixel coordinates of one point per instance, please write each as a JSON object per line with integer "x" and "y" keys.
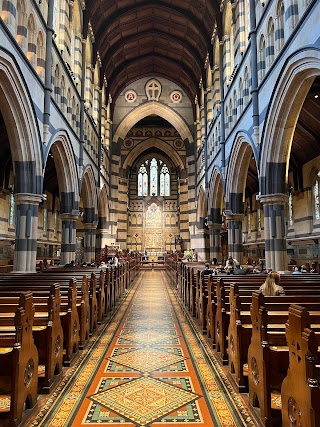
{"x": 275, "y": 207}
{"x": 215, "y": 241}
{"x": 68, "y": 237}
{"x": 235, "y": 246}
{"x": 90, "y": 241}
{"x": 25, "y": 251}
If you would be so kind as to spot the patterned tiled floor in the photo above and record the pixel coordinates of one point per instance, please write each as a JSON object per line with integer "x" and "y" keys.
{"x": 148, "y": 369}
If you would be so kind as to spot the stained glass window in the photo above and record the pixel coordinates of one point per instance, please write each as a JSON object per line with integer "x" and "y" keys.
{"x": 150, "y": 181}
{"x": 259, "y": 218}
{"x": 45, "y": 221}
{"x": 55, "y": 223}
{"x": 154, "y": 177}
{"x": 162, "y": 184}
{"x": 316, "y": 196}
{"x": 164, "y": 181}
{"x": 142, "y": 181}
{"x": 290, "y": 210}
{"x": 11, "y": 210}
{"x": 248, "y": 219}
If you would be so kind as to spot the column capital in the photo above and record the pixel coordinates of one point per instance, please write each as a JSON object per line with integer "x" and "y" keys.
{"x": 27, "y": 198}
{"x": 230, "y": 216}
{"x": 69, "y": 216}
{"x": 90, "y": 225}
{"x": 214, "y": 226}
{"x": 274, "y": 199}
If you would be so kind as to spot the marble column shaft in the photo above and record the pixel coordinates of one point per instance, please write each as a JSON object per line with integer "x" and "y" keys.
{"x": 235, "y": 246}
{"x": 90, "y": 241}
{"x": 68, "y": 237}
{"x": 275, "y": 207}
{"x": 25, "y": 252}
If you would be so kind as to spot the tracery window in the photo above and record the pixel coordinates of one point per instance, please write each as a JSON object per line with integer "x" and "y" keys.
{"x": 316, "y": 196}
{"x": 153, "y": 178}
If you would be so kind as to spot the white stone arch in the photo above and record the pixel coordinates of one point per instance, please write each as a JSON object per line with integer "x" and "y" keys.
{"x": 20, "y": 120}
{"x": 65, "y": 164}
{"x": 89, "y": 190}
{"x": 153, "y": 107}
{"x": 153, "y": 143}
{"x": 286, "y": 102}
{"x": 238, "y": 165}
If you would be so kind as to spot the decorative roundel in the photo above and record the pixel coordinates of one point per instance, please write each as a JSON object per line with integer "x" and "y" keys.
{"x": 130, "y": 95}
{"x": 178, "y": 144}
{"x": 176, "y": 96}
{"x": 128, "y": 143}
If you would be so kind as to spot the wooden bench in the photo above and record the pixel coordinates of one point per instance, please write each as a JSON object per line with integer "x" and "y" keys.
{"x": 18, "y": 360}
{"x": 71, "y": 302}
{"x": 47, "y": 332}
{"x": 300, "y": 390}
{"x": 268, "y": 355}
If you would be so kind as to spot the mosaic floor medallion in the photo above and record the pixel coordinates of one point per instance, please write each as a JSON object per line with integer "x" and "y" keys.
{"x": 146, "y": 359}
{"x": 144, "y": 400}
{"x": 148, "y": 337}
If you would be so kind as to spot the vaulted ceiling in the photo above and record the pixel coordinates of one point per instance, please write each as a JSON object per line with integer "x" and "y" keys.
{"x": 168, "y": 38}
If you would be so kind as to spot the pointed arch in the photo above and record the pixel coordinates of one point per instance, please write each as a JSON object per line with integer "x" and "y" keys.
{"x": 89, "y": 190}
{"x": 21, "y": 124}
{"x": 201, "y": 208}
{"x": 287, "y": 99}
{"x": 216, "y": 194}
{"x": 64, "y": 159}
{"x": 238, "y": 166}
{"x": 153, "y": 143}
{"x": 103, "y": 206}
{"x": 153, "y": 107}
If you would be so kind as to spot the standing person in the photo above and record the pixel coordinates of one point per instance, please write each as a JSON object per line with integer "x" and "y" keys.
{"x": 115, "y": 261}
{"x": 271, "y": 285}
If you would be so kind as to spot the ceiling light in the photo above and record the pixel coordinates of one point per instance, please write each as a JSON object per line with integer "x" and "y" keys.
{"x": 316, "y": 96}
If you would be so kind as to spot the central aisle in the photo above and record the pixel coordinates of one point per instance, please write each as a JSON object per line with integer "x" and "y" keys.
{"x": 147, "y": 368}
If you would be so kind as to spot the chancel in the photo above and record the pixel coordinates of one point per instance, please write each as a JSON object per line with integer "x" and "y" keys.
{"x": 159, "y": 166}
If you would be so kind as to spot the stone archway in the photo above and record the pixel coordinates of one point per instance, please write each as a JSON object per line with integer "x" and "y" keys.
{"x": 68, "y": 182}
{"x": 218, "y": 234}
{"x": 24, "y": 141}
{"x": 159, "y": 109}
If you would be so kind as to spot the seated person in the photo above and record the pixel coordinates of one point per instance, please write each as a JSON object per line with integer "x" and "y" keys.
{"x": 231, "y": 263}
{"x": 271, "y": 285}
{"x": 207, "y": 270}
{"x": 71, "y": 264}
{"x": 239, "y": 270}
{"x": 304, "y": 269}
{"x": 297, "y": 270}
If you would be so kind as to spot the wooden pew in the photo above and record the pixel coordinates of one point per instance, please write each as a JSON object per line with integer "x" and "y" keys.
{"x": 203, "y": 299}
{"x": 211, "y": 311}
{"x": 47, "y": 333}
{"x": 18, "y": 360}
{"x": 240, "y": 328}
{"x": 300, "y": 390}
{"x": 268, "y": 354}
{"x": 69, "y": 306}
